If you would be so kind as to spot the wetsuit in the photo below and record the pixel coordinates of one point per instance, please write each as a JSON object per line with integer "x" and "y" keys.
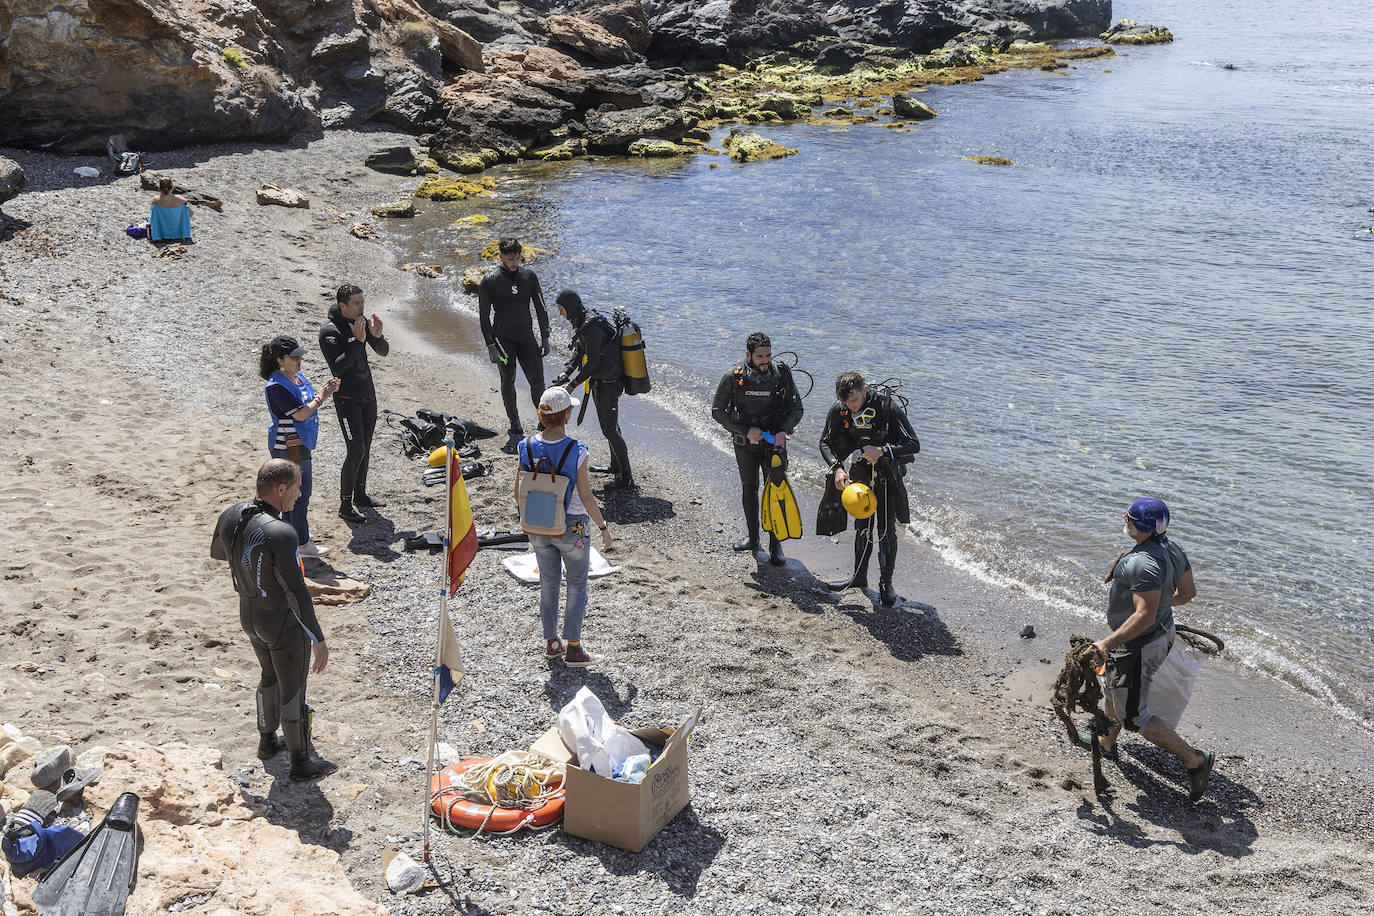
{"x": 594, "y": 337}
{"x": 883, "y": 423}
{"x": 504, "y": 299}
{"x": 768, "y": 400}
{"x": 356, "y": 400}
{"x": 275, "y": 611}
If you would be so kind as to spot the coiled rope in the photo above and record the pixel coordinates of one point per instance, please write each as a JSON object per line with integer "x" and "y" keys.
{"x": 516, "y": 779}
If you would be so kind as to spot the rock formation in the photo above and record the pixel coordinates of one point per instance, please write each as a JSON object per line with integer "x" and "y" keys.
{"x": 12, "y": 179}
{"x": 172, "y": 72}
{"x": 202, "y": 842}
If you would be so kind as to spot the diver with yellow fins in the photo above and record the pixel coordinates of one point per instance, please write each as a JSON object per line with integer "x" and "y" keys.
{"x": 757, "y": 401}
{"x": 868, "y": 427}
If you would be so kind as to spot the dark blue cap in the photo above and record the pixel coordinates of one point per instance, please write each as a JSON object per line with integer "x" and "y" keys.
{"x": 1149, "y": 515}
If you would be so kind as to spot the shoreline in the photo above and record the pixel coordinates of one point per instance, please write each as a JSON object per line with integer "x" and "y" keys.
{"x": 817, "y": 704}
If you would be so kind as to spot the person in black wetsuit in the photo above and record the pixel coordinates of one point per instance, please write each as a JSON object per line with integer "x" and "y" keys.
{"x": 595, "y": 341}
{"x": 276, "y": 612}
{"x": 344, "y": 340}
{"x": 871, "y": 423}
{"x": 758, "y": 396}
{"x": 504, "y": 299}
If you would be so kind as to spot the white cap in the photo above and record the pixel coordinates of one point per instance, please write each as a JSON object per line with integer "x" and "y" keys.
{"x": 557, "y": 400}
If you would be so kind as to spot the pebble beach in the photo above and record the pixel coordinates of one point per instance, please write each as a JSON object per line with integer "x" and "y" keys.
{"x": 851, "y": 758}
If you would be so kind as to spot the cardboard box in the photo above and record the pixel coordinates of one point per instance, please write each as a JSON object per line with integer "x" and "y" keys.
{"x": 622, "y": 814}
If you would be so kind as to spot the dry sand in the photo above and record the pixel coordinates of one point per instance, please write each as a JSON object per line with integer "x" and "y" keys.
{"x": 853, "y": 758}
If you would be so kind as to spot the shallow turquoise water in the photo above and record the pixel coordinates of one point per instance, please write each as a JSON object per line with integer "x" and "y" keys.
{"x": 1166, "y": 295}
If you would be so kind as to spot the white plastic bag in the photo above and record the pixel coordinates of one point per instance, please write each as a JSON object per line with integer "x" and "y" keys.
{"x": 599, "y": 743}
{"x": 86, "y": 171}
{"x": 1172, "y": 685}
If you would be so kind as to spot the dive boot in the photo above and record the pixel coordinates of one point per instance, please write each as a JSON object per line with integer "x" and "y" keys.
{"x": 887, "y": 594}
{"x": 367, "y": 502}
{"x": 746, "y": 543}
{"x": 269, "y": 745}
{"x": 775, "y": 556}
{"x": 305, "y": 763}
{"x": 622, "y": 482}
{"x": 349, "y": 514}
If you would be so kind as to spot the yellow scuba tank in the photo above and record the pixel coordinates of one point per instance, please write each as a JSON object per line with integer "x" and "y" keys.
{"x": 634, "y": 368}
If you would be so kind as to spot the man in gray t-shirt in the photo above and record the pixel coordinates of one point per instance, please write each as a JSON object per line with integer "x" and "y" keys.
{"x": 1140, "y": 613}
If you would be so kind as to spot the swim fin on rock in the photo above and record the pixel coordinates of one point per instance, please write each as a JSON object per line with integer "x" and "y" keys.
{"x": 778, "y": 512}
{"x": 95, "y": 878}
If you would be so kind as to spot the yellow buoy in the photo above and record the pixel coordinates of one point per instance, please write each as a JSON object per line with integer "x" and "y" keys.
{"x": 438, "y": 456}
{"x": 858, "y": 500}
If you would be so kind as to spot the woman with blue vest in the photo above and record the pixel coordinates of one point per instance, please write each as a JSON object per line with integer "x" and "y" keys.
{"x": 571, "y": 553}
{"x": 295, "y": 428}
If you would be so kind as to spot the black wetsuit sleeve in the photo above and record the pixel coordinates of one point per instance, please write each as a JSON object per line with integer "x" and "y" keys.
{"x": 901, "y": 442}
{"x": 833, "y": 447}
{"x": 792, "y": 406}
{"x": 219, "y": 544}
{"x": 579, "y": 346}
{"x": 484, "y": 311}
{"x": 381, "y": 345}
{"x": 595, "y": 339}
{"x": 281, "y": 544}
{"x": 720, "y": 406}
{"x": 537, "y": 300}
{"x": 340, "y": 355}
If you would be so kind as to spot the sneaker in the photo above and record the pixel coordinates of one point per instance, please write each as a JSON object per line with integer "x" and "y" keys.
{"x": 578, "y": 657}
{"x": 49, "y": 770}
{"x": 311, "y": 549}
{"x": 553, "y": 648}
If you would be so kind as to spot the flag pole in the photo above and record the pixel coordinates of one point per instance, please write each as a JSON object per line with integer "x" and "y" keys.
{"x": 438, "y": 636}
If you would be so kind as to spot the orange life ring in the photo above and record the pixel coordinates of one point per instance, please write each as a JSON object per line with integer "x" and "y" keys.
{"x": 449, "y": 804}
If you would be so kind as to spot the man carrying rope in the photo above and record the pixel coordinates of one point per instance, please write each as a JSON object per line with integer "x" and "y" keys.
{"x": 1140, "y": 611}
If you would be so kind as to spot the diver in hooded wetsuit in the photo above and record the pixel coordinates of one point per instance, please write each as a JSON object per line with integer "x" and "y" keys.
{"x": 757, "y": 397}
{"x": 276, "y": 612}
{"x": 596, "y": 358}
{"x": 871, "y": 422}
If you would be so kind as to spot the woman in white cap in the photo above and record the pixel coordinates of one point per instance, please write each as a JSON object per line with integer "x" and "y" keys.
{"x": 294, "y": 406}
{"x": 572, "y": 551}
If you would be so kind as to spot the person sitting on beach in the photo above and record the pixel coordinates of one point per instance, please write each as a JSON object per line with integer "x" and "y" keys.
{"x": 504, "y": 299}
{"x": 170, "y": 217}
{"x": 1140, "y": 611}
{"x": 570, "y": 553}
{"x": 276, "y": 612}
{"x": 295, "y": 427}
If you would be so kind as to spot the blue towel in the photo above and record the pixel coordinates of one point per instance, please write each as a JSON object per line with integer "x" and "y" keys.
{"x": 170, "y": 222}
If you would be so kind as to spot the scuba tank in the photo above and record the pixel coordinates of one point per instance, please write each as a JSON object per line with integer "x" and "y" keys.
{"x": 634, "y": 368}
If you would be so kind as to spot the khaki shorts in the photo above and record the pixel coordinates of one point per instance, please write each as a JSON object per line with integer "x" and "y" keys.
{"x": 1129, "y": 673}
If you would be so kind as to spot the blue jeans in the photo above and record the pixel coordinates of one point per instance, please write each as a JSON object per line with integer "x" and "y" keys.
{"x": 573, "y": 551}
{"x": 296, "y": 517}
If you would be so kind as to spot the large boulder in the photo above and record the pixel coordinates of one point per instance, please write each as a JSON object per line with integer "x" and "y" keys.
{"x": 614, "y": 131}
{"x": 12, "y": 179}
{"x": 746, "y": 146}
{"x": 622, "y": 18}
{"x": 501, "y": 112}
{"x": 589, "y": 38}
{"x": 904, "y": 106}
{"x": 1130, "y": 32}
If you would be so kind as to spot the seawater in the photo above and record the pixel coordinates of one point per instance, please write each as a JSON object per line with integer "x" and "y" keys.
{"x": 1167, "y": 294}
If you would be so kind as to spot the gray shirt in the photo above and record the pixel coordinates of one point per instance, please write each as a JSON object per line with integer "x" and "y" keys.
{"x": 1147, "y": 567}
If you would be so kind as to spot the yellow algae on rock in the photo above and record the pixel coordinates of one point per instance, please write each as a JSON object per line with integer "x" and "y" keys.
{"x": 747, "y": 146}
{"x": 990, "y": 160}
{"x": 453, "y": 188}
{"x": 472, "y": 219}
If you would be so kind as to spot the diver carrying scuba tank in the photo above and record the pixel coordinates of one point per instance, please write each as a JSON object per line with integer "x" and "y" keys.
{"x": 755, "y": 400}
{"x": 869, "y": 425}
{"x": 596, "y": 359}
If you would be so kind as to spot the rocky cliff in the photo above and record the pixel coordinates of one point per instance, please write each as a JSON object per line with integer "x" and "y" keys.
{"x": 172, "y": 72}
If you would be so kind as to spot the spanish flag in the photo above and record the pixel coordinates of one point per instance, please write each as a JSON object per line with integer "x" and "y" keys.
{"x": 462, "y": 533}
